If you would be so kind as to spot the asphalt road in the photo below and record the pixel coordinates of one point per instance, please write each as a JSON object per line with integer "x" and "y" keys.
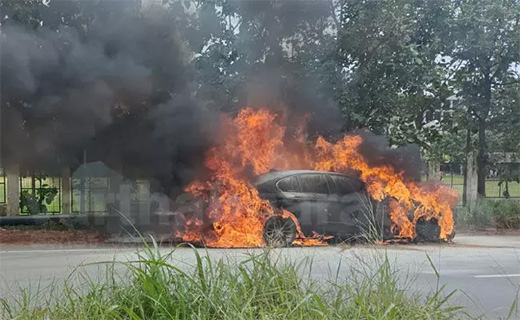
{"x": 485, "y": 270}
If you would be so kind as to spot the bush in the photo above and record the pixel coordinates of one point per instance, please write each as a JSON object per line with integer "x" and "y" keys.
{"x": 501, "y": 214}
{"x": 507, "y": 214}
{"x": 479, "y": 218}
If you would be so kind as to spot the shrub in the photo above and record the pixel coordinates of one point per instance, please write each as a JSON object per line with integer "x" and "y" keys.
{"x": 507, "y": 214}
{"x": 502, "y": 214}
{"x": 478, "y": 218}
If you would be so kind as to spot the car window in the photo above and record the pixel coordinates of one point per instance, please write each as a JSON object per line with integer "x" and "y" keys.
{"x": 289, "y": 184}
{"x": 345, "y": 185}
{"x": 314, "y": 183}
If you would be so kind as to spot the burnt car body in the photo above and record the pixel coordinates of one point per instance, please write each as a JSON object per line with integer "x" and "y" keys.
{"x": 331, "y": 204}
{"x": 327, "y": 203}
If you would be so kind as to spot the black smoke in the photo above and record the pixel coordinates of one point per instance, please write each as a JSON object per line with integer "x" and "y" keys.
{"x": 405, "y": 159}
{"x": 116, "y": 88}
{"x": 116, "y": 85}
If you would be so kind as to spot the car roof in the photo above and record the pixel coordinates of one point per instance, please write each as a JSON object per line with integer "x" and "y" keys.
{"x": 277, "y": 175}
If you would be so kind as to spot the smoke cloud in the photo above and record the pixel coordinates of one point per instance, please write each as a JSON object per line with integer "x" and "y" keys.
{"x": 124, "y": 89}
{"x": 405, "y": 159}
{"x": 119, "y": 89}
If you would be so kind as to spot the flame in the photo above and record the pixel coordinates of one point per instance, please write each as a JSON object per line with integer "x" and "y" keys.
{"x": 253, "y": 141}
{"x": 256, "y": 141}
{"x": 419, "y": 200}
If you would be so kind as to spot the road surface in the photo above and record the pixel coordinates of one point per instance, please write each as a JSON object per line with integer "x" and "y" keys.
{"x": 485, "y": 270}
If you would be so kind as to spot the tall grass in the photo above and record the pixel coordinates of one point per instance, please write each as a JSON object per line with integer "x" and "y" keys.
{"x": 371, "y": 223}
{"x": 259, "y": 287}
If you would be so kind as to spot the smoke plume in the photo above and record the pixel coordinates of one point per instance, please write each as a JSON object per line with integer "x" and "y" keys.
{"x": 128, "y": 89}
{"x": 119, "y": 89}
{"x": 405, "y": 159}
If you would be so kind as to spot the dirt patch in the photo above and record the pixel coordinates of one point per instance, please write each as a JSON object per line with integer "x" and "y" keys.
{"x": 24, "y": 237}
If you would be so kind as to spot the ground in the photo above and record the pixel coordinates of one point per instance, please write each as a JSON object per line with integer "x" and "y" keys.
{"x": 484, "y": 269}
{"x": 29, "y": 236}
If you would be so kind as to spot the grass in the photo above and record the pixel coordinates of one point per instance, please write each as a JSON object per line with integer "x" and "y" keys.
{"x": 371, "y": 224}
{"x": 262, "y": 286}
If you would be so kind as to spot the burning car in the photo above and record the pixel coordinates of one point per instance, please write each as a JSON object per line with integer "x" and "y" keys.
{"x": 326, "y": 203}
{"x": 253, "y": 196}
{"x": 330, "y": 204}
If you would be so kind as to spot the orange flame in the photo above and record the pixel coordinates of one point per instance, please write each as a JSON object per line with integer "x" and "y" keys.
{"x": 423, "y": 200}
{"x": 256, "y": 141}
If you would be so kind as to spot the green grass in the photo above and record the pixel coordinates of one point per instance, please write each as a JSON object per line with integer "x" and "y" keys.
{"x": 260, "y": 287}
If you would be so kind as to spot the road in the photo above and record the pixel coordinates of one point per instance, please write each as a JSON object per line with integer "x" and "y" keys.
{"x": 485, "y": 270}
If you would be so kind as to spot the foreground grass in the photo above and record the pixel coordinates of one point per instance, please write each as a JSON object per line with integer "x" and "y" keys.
{"x": 260, "y": 287}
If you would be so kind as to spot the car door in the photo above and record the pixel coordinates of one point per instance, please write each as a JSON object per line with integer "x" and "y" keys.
{"x": 290, "y": 196}
{"x": 350, "y": 209}
{"x": 315, "y": 203}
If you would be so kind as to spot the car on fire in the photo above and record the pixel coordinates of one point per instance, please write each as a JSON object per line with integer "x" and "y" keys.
{"x": 327, "y": 203}
{"x": 331, "y": 205}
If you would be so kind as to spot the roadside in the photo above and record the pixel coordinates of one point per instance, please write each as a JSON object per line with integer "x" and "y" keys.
{"x": 62, "y": 235}
{"x": 488, "y": 284}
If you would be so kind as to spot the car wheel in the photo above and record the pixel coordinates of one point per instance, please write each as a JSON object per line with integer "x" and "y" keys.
{"x": 427, "y": 230}
{"x": 279, "y": 232}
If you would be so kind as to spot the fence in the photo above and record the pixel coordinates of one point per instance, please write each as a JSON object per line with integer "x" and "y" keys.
{"x": 502, "y": 180}
{"x": 40, "y": 194}
{"x": 3, "y": 189}
{"x": 93, "y": 198}
{"x": 452, "y": 174}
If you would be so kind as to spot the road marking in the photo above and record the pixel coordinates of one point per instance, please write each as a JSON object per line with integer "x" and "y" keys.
{"x": 498, "y": 275}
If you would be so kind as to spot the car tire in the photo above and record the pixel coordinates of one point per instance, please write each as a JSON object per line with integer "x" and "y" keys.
{"x": 427, "y": 230}
{"x": 279, "y": 232}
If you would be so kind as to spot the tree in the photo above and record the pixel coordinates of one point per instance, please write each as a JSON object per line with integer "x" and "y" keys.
{"x": 395, "y": 83}
{"x": 487, "y": 55}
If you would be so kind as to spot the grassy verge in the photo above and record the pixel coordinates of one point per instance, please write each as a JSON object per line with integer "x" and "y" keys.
{"x": 500, "y": 214}
{"x": 260, "y": 287}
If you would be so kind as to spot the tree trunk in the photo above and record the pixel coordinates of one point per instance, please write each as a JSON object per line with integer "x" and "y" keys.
{"x": 481, "y": 158}
{"x": 482, "y": 148}
{"x": 465, "y": 171}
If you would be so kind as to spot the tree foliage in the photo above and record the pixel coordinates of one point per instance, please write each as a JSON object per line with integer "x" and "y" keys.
{"x": 487, "y": 58}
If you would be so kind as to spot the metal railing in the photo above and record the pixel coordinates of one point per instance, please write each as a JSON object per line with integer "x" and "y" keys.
{"x": 3, "y": 189}
{"x": 40, "y": 194}
{"x": 89, "y": 194}
{"x": 501, "y": 181}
